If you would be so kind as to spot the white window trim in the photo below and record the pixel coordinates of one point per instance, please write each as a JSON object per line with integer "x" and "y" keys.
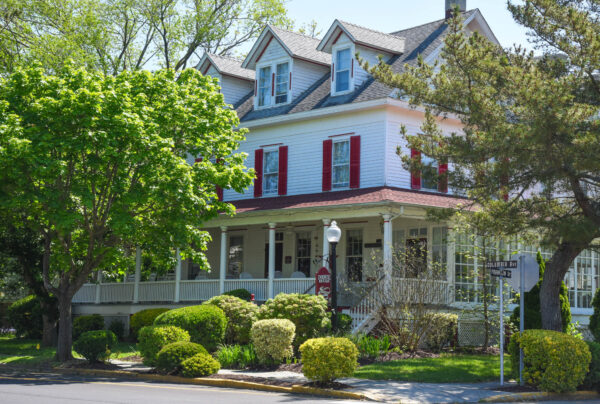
{"x": 273, "y": 65}
{"x": 334, "y": 51}
{"x": 264, "y": 190}
{"x": 334, "y": 141}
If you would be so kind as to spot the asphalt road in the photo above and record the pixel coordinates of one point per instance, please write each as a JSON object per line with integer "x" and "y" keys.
{"x": 49, "y": 388}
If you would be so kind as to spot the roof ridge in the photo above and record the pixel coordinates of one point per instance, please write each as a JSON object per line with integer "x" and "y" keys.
{"x": 294, "y": 32}
{"x": 429, "y": 23}
{"x": 235, "y": 59}
{"x": 363, "y": 27}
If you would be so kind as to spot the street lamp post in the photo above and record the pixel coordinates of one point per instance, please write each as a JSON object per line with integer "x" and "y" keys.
{"x": 333, "y": 236}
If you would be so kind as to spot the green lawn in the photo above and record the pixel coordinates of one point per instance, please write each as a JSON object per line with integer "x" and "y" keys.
{"x": 449, "y": 368}
{"x": 19, "y": 351}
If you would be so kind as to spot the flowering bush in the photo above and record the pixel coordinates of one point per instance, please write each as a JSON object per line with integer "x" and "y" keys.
{"x": 327, "y": 359}
{"x": 553, "y": 361}
{"x": 307, "y": 312}
{"x": 153, "y": 338}
{"x": 272, "y": 339}
{"x": 240, "y": 316}
{"x": 205, "y": 323}
{"x": 144, "y": 318}
{"x": 199, "y": 365}
{"x": 171, "y": 357}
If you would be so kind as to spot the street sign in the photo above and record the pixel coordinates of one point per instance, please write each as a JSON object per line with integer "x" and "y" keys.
{"x": 531, "y": 273}
{"x": 505, "y": 273}
{"x": 501, "y": 264}
{"x": 323, "y": 282}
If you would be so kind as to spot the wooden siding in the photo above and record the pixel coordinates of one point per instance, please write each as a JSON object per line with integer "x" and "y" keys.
{"x": 304, "y": 75}
{"x": 235, "y": 89}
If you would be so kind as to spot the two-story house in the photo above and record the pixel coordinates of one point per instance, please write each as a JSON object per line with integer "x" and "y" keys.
{"x": 323, "y": 138}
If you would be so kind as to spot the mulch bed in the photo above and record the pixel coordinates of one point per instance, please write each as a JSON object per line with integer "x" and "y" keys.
{"x": 291, "y": 367}
{"x": 516, "y": 389}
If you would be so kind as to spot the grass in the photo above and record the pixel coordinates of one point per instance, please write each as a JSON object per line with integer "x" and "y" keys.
{"x": 18, "y": 351}
{"x": 448, "y": 368}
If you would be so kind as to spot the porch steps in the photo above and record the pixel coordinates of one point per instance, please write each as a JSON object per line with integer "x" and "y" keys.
{"x": 365, "y": 315}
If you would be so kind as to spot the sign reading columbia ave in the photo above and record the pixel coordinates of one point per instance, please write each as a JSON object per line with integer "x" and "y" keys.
{"x": 501, "y": 264}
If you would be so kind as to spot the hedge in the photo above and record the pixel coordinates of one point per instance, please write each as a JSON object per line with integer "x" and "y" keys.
{"x": 144, "y": 318}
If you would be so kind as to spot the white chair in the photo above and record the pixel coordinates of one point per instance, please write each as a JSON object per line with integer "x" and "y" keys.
{"x": 298, "y": 275}
{"x": 201, "y": 275}
{"x": 246, "y": 275}
{"x": 152, "y": 277}
{"x": 278, "y": 274}
{"x": 130, "y": 278}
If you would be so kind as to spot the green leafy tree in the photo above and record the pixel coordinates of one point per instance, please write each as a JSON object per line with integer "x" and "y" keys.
{"x": 116, "y": 35}
{"x": 96, "y": 163}
{"x": 527, "y": 151}
{"x": 595, "y": 317}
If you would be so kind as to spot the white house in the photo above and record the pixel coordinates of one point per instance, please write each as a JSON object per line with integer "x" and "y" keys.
{"x": 322, "y": 138}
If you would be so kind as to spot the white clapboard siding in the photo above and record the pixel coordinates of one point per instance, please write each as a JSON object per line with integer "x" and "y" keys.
{"x": 305, "y": 149}
{"x": 273, "y": 52}
{"x": 234, "y": 89}
{"x": 369, "y": 55}
{"x": 304, "y": 75}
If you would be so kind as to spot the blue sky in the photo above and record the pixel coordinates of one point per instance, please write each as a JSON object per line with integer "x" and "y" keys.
{"x": 393, "y": 15}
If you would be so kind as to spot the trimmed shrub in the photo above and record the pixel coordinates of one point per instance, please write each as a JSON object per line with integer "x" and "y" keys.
{"x": 344, "y": 324}
{"x": 118, "y": 328}
{"x": 95, "y": 345}
{"x": 143, "y": 318}
{"x": 240, "y": 316}
{"x": 272, "y": 339}
{"x": 442, "y": 331}
{"x": 595, "y": 317}
{"x": 553, "y": 361}
{"x": 92, "y": 322}
{"x": 308, "y": 313}
{"x": 171, "y": 356}
{"x": 327, "y": 359}
{"x": 241, "y": 293}
{"x": 533, "y": 315}
{"x": 237, "y": 356}
{"x": 25, "y": 316}
{"x": 592, "y": 379}
{"x": 205, "y": 323}
{"x": 199, "y": 365}
{"x": 153, "y": 338}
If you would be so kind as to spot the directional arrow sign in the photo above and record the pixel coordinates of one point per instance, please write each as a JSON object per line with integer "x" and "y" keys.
{"x": 531, "y": 275}
{"x": 505, "y": 273}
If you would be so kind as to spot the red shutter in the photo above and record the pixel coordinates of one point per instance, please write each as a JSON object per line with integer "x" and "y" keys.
{"x": 290, "y": 80}
{"x": 272, "y": 84}
{"x": 332, "y": 71}
{"x": 327, "y": 145}
{"x": 355, "y": 162}
{"x": 443, "y": 177}
{"x": 283, "y": 170}
{"x": 219, "y": 193}
{"x": 198, "y": 159}
{"x": 415, "y": 175}
{"x": 258, "y": 168}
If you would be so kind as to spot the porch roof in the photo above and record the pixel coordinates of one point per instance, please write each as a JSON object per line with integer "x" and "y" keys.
{"x": 360, "y": 196}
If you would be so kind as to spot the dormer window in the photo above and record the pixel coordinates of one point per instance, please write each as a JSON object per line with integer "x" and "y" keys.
{"x": 282, "y": 80}
{"x": 343, "y": 61}
{"x": 264, "y": 86}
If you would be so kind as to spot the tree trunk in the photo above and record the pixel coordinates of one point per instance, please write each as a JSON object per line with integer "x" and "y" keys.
{"x": 65, "y": 336}
{"x": 49, "y": 335}
{"x": 556, "y": 269}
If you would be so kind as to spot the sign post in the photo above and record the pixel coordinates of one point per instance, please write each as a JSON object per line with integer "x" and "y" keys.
{"x": 501, "y": 269}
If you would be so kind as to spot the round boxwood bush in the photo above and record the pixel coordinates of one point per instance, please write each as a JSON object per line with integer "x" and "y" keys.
{"x": 327, "y": 359}
{"x": 592, "y": 379}
{"x": 95, "y": 345}
{"x": 144, "y": 318}
{"x": 243, "y": 294}
{"x": 553, "y": 361}
{"x": 92, "y": 322}
{"x": 205, "y": 323}
{"x": 154, "y": 337}
{"x": 272, "y": 339}
{"x": 25, "y": 316}
{"x": 171, "y": 356}
{"x": 200, "y": 365}
{"x": 240, "y": 317}
{"x": 307, "y": 312}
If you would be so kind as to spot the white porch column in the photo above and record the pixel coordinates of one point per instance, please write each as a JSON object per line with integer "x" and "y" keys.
{"x": 387, "y": 252}
{"x": 271, "y": 291}
{"x": 326, "y": 223}
{"x": 138, "y": 274}
{"x": 223, "y": 261}
{"x": 177, "y": 276}
{"x": 99, "y": 278}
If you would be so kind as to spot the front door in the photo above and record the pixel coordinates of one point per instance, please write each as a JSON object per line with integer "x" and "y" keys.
{"x": 278, "y": 258}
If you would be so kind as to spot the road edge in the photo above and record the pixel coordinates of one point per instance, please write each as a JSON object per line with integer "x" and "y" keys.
{"x": 542, "y": 396}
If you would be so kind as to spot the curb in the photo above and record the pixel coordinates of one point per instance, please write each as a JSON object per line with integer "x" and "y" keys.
{"x": 236, "y": 384}
{"x": 543, "y": 396}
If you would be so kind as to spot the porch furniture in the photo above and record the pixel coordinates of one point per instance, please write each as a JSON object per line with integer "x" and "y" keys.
{"x": 298, "y": 275}
{"x": 130, "y": 278}
{"x": 246, "y": 275}
{"x": 152, "y": 277}
{"x": 278, "y": 274}
{"x": 201, "y": 275}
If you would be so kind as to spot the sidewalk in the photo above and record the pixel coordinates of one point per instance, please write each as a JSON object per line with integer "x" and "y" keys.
{"x": 389, "y": 391}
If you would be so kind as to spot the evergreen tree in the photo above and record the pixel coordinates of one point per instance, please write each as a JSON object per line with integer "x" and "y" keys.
{"x": 595, "y": 317}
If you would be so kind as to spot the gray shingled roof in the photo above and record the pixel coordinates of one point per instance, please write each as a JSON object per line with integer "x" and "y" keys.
{"x": 380, "y": 40}
{"x": 231, "y": 66}
{"x": 421, "y": 40}
{"x": 302, "y": 46}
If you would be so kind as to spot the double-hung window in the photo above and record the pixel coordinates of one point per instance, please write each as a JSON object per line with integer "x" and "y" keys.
{"x": 271, "y": 172}
{"x": 264, "y": 86}
{"x": 282, "y": 83}
{"x": 429, "y": 173}
{"x": 354, "y": 254}
{"x": 343, "y": 61}
{"x": 341, "y": 164}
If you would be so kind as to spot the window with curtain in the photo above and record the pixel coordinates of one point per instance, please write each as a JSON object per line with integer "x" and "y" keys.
{"x": 264, "y": 86}
{"x": 341, "y": 164}
{"x": 271, "y": 172}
